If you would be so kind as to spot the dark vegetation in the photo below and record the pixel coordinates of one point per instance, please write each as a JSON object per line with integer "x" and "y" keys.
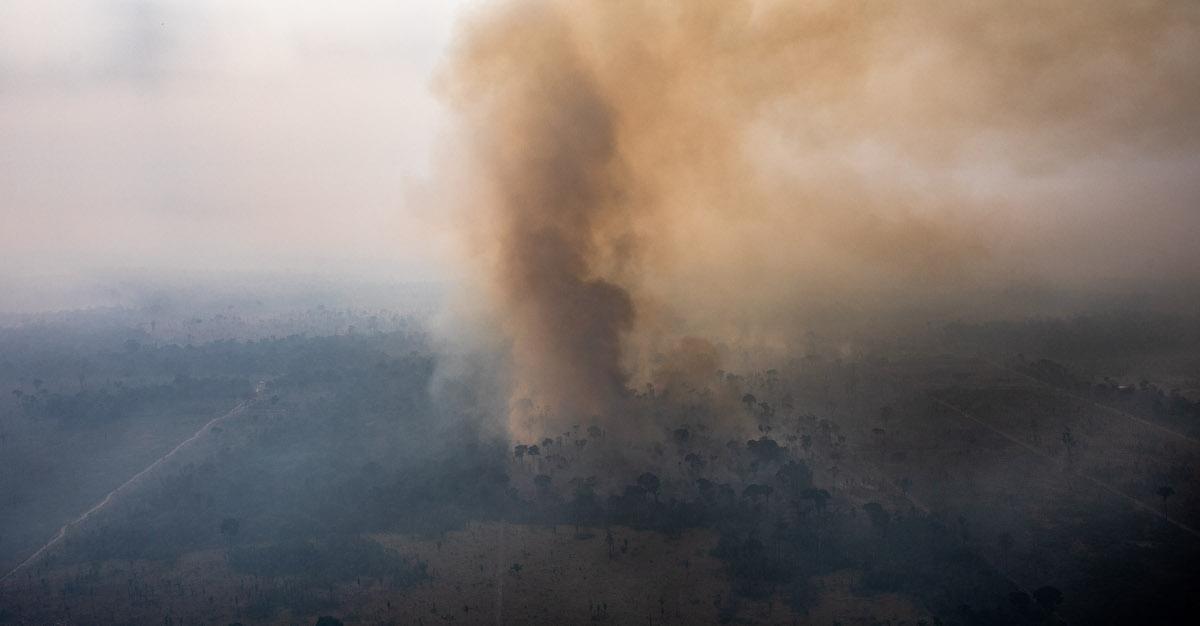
{"x": 980, "y": 487}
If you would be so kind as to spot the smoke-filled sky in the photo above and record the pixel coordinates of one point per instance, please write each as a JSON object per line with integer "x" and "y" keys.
{"x": 631, "y": 173}
{"x": 753, "y": 152}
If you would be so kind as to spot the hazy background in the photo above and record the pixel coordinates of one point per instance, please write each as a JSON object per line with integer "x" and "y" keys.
{"x": 389, "y": 275}
{"x": 157, "y": 137}
{"x": 167, "y": 138}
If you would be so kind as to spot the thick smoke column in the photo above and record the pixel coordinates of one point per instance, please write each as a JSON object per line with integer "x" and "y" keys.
{"x": 736, "y": 169}
{"x": 548, "y": 143}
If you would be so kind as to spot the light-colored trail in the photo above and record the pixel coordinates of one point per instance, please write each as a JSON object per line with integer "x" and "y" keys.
{"x": 99, "y": 506}
{"x": 891, "y": 487}
{"x": 1104, "y": 407}
{"x": 1097, "y": 483}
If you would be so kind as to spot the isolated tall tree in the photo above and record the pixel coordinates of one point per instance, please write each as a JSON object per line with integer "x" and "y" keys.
{"x": 795, "y": 475}
{"x": 1005, "y": 542}
{"x": 1165, "y": 492}
{"x": 878, "y": 515}
{"x": 1020, "y": 600}
{"x": 542, "y": 482}
{"x": 1048, "y": 598}
{"x": 230, "y": 527}
{"x": 819, "y": 498}
{"x": 1069, "y": 441}
{"x": 755, "y": 491}
{"x": 650, "y": 483}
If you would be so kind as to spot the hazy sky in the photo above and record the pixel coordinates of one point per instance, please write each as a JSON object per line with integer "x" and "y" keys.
{"x": 170, "y": 135}
{"x": 230, "y": 135}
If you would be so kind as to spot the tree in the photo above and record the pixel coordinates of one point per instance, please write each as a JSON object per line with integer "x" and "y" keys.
{"x": 1165, "y": 492}
{"x": 650, "y": 483}
{"x": 1006, "y": 544}
{"x": 750, "y": 401}
{"x": 519, "y": 451}
{"x": 1048, "y": 598}
{"x": 795, "y": 475}
{"x": 1069, "y": 441}
{"x": 756, "y": 491}
{"x": 542, "y": 482}
{"x": 1020, "y": 600}
{"x": 878, "y": 515}
{"x": 766, "y": 449}
{"x": 230, "y": 527}
{"x": 819, "y": 497}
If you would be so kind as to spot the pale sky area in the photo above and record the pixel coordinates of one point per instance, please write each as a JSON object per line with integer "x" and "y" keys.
{"x": 219, "y": 135}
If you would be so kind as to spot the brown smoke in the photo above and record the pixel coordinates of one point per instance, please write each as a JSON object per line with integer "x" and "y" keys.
{"x": 647, "y": 170}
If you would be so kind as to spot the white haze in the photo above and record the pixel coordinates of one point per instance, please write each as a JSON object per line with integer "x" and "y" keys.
{"x": 162, "y": 137}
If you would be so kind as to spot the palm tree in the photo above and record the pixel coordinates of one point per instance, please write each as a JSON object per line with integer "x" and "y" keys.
{"x": 795, "y": 475}
{"x": 650, "y": 483}
{"x": 1048, "y": 598}
{"x": 878, "y": 516}
{"x": 230, "y": 527}
{"x": 819, "y": 497}
{"x": 542, "y": 482}
{"x": 1069, "y": 441}
{"x": 755, "y": 491}
{"x": 1006, "y": 545}
{"x": 1165, "y": 492}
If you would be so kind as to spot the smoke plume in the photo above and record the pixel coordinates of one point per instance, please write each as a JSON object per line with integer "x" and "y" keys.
{"x": 646, "y": 171}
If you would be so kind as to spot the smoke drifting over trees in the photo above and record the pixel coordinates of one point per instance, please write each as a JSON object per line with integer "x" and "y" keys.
{"x": 767, "y": 312}
{"x": 736, "y": 170}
